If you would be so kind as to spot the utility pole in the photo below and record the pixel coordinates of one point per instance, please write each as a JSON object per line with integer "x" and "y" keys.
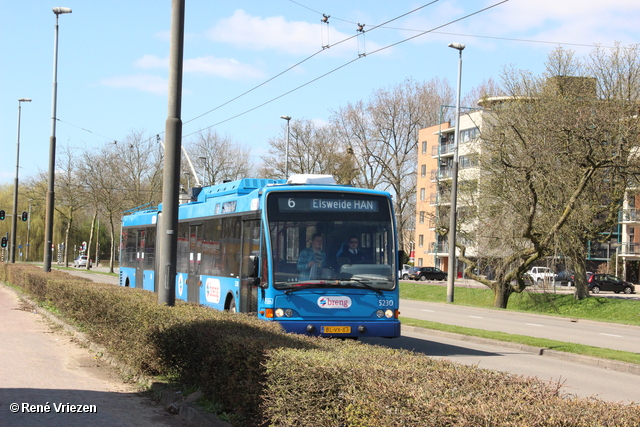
{"x": 168, "y": 221}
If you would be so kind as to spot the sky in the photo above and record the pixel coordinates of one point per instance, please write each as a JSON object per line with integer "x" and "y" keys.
{"x": 113, "y": 55}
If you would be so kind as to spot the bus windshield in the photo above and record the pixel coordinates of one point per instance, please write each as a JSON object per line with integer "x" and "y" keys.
{"x": 331, "y": 239}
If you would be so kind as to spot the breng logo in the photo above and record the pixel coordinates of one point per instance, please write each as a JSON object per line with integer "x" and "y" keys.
{"x": 334, "y": 302}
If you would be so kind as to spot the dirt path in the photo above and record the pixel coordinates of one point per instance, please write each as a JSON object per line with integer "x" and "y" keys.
{"x": 48, "y": 375}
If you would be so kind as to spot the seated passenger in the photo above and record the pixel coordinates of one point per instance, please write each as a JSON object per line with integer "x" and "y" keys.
{"x": 312, "y": 259}
{"x": 350, "y": 253}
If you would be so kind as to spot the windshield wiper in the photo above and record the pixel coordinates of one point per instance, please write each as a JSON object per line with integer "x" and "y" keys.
{"x": 364, "y": 284}
{"x": 305, "y": 285}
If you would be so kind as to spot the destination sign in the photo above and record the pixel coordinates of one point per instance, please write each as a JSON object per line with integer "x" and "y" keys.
{"x": 321, "y": 204}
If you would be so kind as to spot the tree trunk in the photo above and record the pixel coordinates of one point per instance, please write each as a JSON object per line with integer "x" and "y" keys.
{"x": 113, "y": 242}
{"x": 93, "y": 224}
{"x": 66, "y": 240}
{"x": 501, "y": 294}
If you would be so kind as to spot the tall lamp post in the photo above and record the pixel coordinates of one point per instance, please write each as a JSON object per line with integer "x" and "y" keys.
{"x": 48, "y": 223}
{"x": 14, "y": 219}
{"x": 453, "y": 265}
{"x": 286, "y": 154}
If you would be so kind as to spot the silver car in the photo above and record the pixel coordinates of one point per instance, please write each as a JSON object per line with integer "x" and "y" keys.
{"x": 81, "y": 261}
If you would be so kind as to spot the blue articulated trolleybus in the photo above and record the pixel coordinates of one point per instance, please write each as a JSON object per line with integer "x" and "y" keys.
{"x": 240, "y": 245}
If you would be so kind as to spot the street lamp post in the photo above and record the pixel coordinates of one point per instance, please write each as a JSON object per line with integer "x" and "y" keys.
{"x": 286, "y": 154}
{"x": 453, "y": 268}
{"x": 14, "y": 219}
{"x": 48, "y": 223}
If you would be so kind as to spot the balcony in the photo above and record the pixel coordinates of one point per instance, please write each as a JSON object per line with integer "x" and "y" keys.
{"x": 437, "y": 174}
{"x": 629, "y": 250}
{"x": 630, "y": 215}
{"x": 438, "y": 248}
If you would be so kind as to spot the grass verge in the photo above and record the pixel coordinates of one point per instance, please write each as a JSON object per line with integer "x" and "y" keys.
{"x": 600, "y": 309}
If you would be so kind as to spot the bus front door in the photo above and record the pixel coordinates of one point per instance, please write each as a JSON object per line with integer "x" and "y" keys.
{"x": 248, "y": 273}
{"x": 195, "y": 259}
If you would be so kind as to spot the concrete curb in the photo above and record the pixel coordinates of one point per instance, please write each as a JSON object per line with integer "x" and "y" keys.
{"x": 173, "y": 401}
{"x": 614, "y": 365}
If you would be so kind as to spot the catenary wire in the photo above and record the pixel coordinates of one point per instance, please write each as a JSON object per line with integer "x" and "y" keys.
{"x": 340, "y": 67}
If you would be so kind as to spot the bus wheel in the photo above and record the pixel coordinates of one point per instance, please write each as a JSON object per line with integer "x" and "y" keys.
{"x": 232, "y": 305}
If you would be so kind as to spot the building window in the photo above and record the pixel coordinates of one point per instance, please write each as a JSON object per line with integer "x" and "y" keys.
{"x": 422, "y": 194}
{"x": 469, "y": 134}
{"x": 421, "y": 240}
{"x": 424, "y": 147}
{"x": 423, "y": 171}
{"x": 419, "y": 262}
{"x": 421, "y": 217}
{"x": 466, "y": 162}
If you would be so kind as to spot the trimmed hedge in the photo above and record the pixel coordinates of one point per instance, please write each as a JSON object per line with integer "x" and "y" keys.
{"x": 266, "y": 377}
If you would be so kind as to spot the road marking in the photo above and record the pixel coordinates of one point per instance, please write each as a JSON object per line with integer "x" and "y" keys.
{"x": 430, "y": 311}
{"x": 534, "y": 324}
{"x": 476, "y": 317}
{"x": 612, "y": 335}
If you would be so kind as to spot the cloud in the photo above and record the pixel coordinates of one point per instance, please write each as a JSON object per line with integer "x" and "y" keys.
{"x": 142, "y": 82}
{"x": 227, "y": 68}
{"x": 289, "y": 37}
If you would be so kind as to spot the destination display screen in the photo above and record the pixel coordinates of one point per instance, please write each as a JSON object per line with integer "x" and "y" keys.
{"x": 326, "y": 204}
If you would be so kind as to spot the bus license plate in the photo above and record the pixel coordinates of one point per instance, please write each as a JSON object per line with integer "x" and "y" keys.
{"x": 336, "y": 329}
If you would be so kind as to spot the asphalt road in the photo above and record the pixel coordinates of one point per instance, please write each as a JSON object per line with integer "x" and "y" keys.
{"x": 577, "y": 379}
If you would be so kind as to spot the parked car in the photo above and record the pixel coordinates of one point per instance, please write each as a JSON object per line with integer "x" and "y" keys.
{"x": 565, "y": 277}
{"x": 608, "y": 282}
{"x": 404, "y": 273}
{"x": 81, "y": 261}
{"x": 427, "y": 273}
{"x": 540, "y": 275}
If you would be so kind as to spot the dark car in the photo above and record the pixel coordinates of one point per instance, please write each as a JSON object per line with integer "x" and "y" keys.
{"x": 565, "y": 277}
{"x": 427, "y": 273}
{"x": 608, "y": 282}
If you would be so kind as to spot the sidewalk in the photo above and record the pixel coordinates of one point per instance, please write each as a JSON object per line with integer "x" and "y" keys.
{"x": 48, "y": 379}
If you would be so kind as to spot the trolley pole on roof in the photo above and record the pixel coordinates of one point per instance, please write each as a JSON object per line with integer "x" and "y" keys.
{"x": 168, "y": 221}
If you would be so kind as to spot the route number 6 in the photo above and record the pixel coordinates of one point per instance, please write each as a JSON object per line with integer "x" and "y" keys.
{"x": 291, "y": 203}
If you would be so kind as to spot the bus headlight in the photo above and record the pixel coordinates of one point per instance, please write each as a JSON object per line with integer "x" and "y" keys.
{"x": 388, "y": 314}
{"x": 287, "y": 312}
{"x": 380, "y": 314}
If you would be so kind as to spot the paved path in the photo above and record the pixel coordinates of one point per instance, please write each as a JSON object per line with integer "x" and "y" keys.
{"x": 45, "y": 375}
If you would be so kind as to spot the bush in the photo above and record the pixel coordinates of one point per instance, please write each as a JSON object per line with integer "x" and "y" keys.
{"x": 268, "y": 377}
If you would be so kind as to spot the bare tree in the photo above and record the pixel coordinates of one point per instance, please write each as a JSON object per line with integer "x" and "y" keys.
{"x": 70, "y": 192}
{"x": 383, "y": 135}
{"x": 313, "y": 149}
{"x": 224, "y": 159}
{"x": 556, "y": 160}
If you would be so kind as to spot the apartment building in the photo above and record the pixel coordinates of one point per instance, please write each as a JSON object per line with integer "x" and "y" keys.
{"x": 436, "y": 150}
{"x": 435, "y": 160}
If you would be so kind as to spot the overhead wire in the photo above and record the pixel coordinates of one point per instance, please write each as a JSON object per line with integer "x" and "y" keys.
{"x": 342, "y": 66}
{"x": 422, "y": 32}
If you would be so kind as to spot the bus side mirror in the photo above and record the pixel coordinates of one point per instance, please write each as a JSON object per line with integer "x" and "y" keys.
{"x": 253, "y": 267}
